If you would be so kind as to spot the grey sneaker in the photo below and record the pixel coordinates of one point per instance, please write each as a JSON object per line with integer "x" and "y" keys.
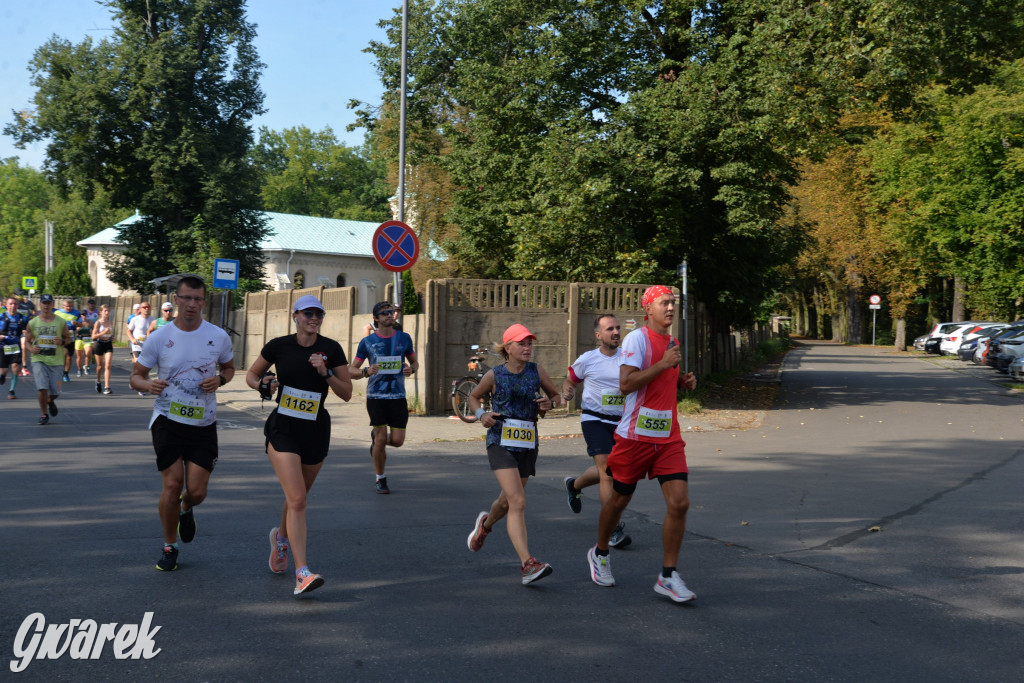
{"x": 674, "y": 588}
{"x": 620, "y": 539}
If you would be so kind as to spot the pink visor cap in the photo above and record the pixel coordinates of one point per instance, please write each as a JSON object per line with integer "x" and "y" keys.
{"x": 517, "y": 333}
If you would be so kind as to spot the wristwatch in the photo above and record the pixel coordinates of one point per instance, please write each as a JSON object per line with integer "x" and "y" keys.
{"x": 330, "y": 373}
{"x": 223, "y": 379}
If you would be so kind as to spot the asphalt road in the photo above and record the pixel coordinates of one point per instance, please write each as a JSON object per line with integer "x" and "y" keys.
{"x": 792, "y": 583}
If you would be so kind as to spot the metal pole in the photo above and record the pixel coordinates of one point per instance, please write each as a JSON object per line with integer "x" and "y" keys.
{"x": 686, "y": 326}
{"x": 874, "y": 312}
{"x": 399, "y": 289}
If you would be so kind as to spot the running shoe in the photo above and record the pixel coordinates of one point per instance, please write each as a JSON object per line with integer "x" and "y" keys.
{"x": 575, "y": 497}
{"x": 53, "y": 408}
{"x": 107, "y": 391}
{"x": 600, "y": 568}
{"x": 187, "y": 526}
{"x": 10, "y": 395}
{"x": 3, "y": 379}
{"x": 169, "y": 561}
{"x": 674, "y": 588}
{"x": 25, "y": 372}
{"x": 533, "y": 570}
{"x": 142, "y": 393}
{"x": 44, "y": 420}
{"x": 619, "y": 538}
{"x": 306, "y": 582}
{"x": 79, "y": 373}
{"x": 99, "y": 388}
{"x": 66, "y": 378}
{"x": 479, "y": 533}
{"x": 278, "y": 553}
{"x": 382, "y": 486}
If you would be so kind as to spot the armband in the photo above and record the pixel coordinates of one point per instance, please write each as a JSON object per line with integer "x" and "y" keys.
{"x": 480, "y": 412}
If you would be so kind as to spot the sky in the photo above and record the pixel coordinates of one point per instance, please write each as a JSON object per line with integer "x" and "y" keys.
{"x": 313, "y": 51}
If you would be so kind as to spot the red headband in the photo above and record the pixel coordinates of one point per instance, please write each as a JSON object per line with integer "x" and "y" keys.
{"x": 652, "y": 293}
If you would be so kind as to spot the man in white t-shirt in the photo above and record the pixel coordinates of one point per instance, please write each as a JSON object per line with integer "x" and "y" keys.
{"x": 195, "y": 359}
{"x": 601, "y": 402}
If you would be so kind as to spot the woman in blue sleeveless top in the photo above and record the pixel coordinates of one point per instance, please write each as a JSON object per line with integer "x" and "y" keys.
{"x": 512, "y": 440}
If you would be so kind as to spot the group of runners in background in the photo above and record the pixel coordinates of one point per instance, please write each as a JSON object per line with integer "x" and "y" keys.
{"x": 629, "y": 417}
{"x": 56, "y": 340}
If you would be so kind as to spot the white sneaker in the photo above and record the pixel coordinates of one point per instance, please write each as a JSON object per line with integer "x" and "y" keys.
{"x": 674, "y": 588}
{"x": 600, "y": 568}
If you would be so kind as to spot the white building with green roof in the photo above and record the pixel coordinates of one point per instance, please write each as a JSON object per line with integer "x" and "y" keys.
{"x": 299, "y": 251}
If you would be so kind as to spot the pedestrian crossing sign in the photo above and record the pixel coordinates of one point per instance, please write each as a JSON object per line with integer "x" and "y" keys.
{"x": 29, "y": 282}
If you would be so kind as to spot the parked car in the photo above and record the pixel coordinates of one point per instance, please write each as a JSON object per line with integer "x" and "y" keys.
{"x": 1016, "y": 368}
{"x": 971, "y": 341}
{"x": 981, "y": 351}
{"x": 950, "y": 343}
{"x": 1010, "y": 335}
{"x": 919, "y": 342}
{"x": 1008, "y": 351}
{"x": 942, "y": 330}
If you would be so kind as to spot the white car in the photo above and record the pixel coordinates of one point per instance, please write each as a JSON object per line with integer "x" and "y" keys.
{"x": 951, "y": 342}
{"x": 942, "y": 330}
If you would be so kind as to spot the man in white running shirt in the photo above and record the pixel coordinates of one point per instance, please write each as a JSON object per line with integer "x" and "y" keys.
{"x": 601, "y": 402}
{"x": 195, "y": 359}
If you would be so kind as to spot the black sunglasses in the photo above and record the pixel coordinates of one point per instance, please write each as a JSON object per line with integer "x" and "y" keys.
{"x": 313, "y": 313}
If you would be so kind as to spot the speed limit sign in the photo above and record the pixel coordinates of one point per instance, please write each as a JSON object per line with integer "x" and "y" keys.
{"x": 875, "y": 299}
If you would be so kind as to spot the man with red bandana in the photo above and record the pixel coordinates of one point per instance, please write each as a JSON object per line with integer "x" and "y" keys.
{"x": 647, "y": 440}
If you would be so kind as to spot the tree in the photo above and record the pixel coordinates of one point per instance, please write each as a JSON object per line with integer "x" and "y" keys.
{"x": 158, "y": 117}
{"x": 609, "y": 140}
{"x": 312, "y": 174}
{"x": 24, "y": 198}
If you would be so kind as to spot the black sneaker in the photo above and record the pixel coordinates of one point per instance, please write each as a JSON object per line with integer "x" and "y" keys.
{"x": 3, "y": 379}
{"x": 382, "y": 486}
{"x": 44, "y": 420}
{"x": 53, "y": 408}
{"x": 99, "y": 388}
{"x": 575, "y": 497}
{"x": 620, "y": 539}
{"x": 10, "y": 395}
{"x": 107, "y": 391}
{"x": 187, "y": 526}
{"x": 169, "y": 561}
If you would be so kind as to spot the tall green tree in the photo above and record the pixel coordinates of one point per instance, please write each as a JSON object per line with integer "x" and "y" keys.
{"x": 158, "y": 116}
{"x": 610, "y": 140}
{"x": 310, "y": 173}
{"x": 950, "y": 187}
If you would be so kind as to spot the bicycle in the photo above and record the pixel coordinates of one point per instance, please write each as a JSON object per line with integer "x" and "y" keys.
{"x": 464, "y": 386}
